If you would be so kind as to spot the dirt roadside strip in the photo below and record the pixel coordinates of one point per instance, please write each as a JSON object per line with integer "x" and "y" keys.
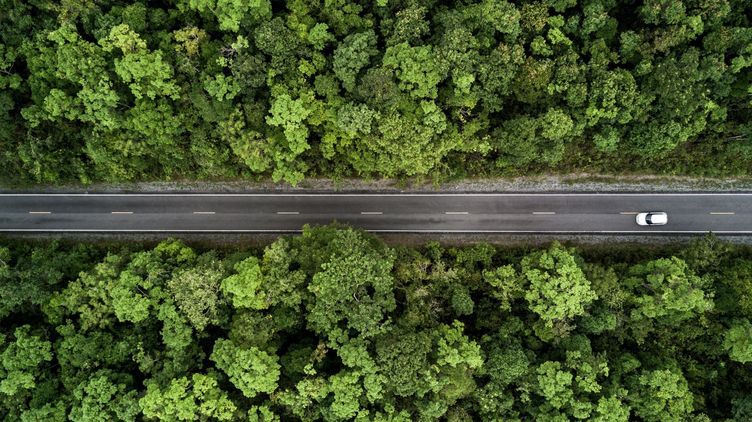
{"x": 551, "y": 183}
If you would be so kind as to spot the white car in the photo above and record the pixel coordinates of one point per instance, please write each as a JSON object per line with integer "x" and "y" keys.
{"x": 652, "y": 218}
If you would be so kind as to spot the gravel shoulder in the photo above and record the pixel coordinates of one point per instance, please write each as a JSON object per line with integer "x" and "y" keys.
{"x": 581, "y": 182}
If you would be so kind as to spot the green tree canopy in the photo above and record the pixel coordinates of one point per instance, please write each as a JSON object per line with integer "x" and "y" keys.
{"x": 558, "y": 289}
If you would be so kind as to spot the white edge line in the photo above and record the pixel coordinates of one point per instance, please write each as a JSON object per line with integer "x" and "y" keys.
{"x": 606, "y": 194}
{"x": 645, "y": 232}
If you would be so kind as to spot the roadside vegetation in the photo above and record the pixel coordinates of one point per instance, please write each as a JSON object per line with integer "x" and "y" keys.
{"x": 218, "y": 89}
{"x": 334, "y": 325}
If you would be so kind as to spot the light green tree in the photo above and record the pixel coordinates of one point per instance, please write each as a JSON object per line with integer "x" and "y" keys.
{"x": 244, "y": 288}
{"x": 417, "y": 69}
{"x": 187, "y": 399}
{"x": 558, "y": 289}
{"x": 102, "y": 399}
{"x": 230, "y": 13}
{"x": 145, "y": 72}
{"x": 667, "y": 293}
{"x": 196, "y": 292}
{"x": 611, "y": 409}
{"x": 290, "y": 114}
{"x": 22, "y": 359}
{"x": 129, "y": 299}
{"x": 319, "y": 36}
{"x": 355, "y": 119}
{"x": 506, "y": 285}
{"x": 251, "y": 370}
{"x": 661, "y": 395}
{"x": 221, "y": 87}
{"x": 738, "y": 341}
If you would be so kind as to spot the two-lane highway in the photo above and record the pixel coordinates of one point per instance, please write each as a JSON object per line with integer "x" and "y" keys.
{"x": 722, "y": 213}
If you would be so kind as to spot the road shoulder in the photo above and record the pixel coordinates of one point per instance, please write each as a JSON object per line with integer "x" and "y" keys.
{"x": 580, "y": 182}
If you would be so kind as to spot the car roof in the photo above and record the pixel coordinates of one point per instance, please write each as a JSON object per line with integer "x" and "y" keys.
{"x": 658, "y": 217}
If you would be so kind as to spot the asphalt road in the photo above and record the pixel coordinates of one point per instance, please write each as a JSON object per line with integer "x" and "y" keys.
{"x": 415, "y": 213}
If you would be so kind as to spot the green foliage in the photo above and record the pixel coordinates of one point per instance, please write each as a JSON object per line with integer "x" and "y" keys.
{"x": 558, "y": 289}
{"x": 667, "y": 292}
{"x": 187, "y": 399}
{"x": 128, "y": 301}
{"x": 290, "y": 115}
{"x": 100, "y": 399}
{"x": 525, "y": 141}
{"x": 249, "y": 146}
{"x": 352, "y": 55}
{"x": 611, "y": 409}
{"x": 416, "y": 68}
{"x": 145, "y": 72}
{"x": 221, "y": 87}
{"x": 252, "y": 371}
{"x": 176, "y": 333}
{"x": 230, "y": 13}
{"x": 21, "y": 359}
{"x": 738, "y": 341}
{"x": 404, "y": 361}
{"x": 196, "y": 292}
{"x": 235, "y": 89}
{"x": 506, "y": 285}
{"x": 333, "y": 324}
{"x": 565, "y": 387}
{"x": 354, "y": 119}
{"x": 663, "y": 396}
{"x": 244, "y": 288}
{"x": 354, "y": 290}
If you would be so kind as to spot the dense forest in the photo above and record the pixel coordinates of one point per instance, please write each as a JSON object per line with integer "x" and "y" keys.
{"x": 334, "y": 325}
{"x": 226, "y": 89}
